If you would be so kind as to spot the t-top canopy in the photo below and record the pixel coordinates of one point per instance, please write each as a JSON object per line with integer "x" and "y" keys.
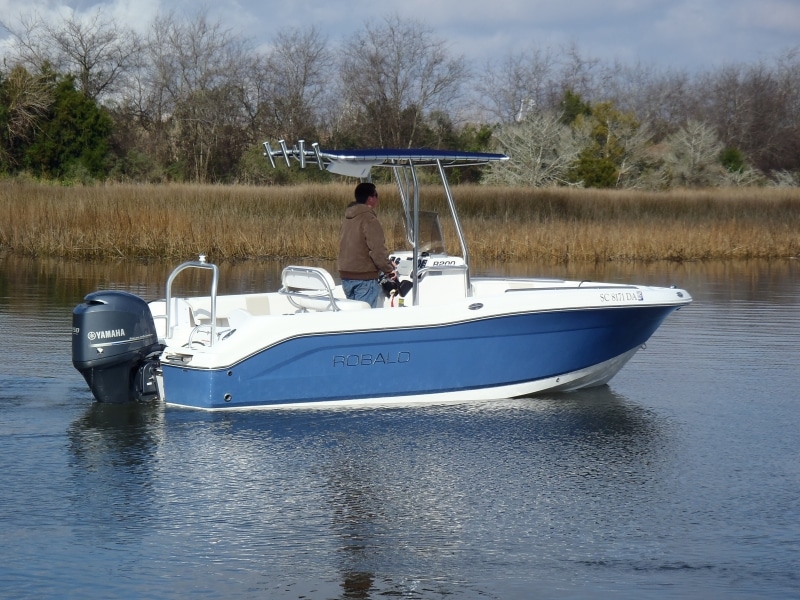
{"x": 357, "y": 163}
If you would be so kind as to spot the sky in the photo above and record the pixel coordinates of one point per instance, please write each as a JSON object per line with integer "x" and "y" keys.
{"x": 691, "y": 35}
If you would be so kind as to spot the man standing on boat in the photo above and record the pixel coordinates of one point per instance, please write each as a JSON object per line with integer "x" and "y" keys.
{"x": 362, "y": 248}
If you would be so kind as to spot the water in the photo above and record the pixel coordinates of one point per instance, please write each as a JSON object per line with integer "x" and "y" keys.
{"x": 679, "y": 479}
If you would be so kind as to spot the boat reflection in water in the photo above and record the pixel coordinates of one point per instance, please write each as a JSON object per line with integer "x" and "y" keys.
{"x": 264, "y": 496}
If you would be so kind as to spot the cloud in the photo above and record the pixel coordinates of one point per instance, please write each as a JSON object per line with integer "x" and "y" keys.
{"x": 134, "y": 13}
{"x": 678, "y": 33}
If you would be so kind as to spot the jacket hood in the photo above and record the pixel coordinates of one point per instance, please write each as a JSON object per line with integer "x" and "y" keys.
{"x": 354, "y": 209}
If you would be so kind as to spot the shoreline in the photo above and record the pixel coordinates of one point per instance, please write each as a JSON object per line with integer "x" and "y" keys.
{"x": 555, "y": 225}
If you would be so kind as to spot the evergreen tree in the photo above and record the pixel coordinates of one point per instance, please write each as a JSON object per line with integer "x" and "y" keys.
{"x": 74, "y": 136}
{"x": 732, "y": 159}
{"x": 613, "y": 150}
{"x": 573, "y": 106}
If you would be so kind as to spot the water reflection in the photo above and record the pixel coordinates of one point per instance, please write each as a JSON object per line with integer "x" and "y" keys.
{"x": 113, "y": 451}
{"x": 129, "y": 430}
{"x": 67, "y": 282}
{"x": 414, "y": 489}
{"x": 26, "y": 283}
{"x": 603, "y": 414}
{"x": 419, "y": 490}
{"x": 357, "y": 585}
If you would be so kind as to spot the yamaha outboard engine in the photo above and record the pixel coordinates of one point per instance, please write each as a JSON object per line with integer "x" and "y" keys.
{"x": 115, "y": 346}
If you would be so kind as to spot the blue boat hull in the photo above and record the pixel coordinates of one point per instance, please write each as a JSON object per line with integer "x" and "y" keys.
{"x": 484, "y": 354}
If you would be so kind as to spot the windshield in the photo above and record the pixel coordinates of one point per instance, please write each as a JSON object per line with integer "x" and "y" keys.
{"x": 430, "y": 232}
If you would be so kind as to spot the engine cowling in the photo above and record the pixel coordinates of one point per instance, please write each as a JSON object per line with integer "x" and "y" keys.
{"x": 115, "y": 346}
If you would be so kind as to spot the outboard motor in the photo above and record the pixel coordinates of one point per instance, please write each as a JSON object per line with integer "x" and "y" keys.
{"x": 115, "y": 346}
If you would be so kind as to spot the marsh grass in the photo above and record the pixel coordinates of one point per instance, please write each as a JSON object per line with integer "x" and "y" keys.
{"x": 242, "y": 222}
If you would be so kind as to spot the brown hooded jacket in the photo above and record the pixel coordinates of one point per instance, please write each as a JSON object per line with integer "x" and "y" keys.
{"x": 362, "y": 245}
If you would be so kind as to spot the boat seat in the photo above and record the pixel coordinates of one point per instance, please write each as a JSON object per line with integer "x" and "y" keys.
{"x": 311, "y": 289}
{"x": 201, "y": 316}
{"x": 199, "y": 320}
{"x": 238, "y": 318}
{"x": 257, "y": 305}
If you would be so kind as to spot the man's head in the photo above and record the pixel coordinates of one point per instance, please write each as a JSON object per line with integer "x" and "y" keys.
{"x": 365, "y": 191}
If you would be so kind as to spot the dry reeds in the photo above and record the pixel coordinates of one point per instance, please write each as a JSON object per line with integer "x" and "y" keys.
{"x": 242, "y": 222}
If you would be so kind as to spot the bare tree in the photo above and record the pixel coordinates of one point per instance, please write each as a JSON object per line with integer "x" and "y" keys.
{"x": 537, "y": 80}
{"x": 510, "y": 88}
{"x": 191, "y": 90}
{"x": 636, "y": 162}
{"x": 693, "y": 156}
{"x": 98, "y": 51}
{"x": 582, "y": 75}
{"x": 788, "y": 73}
{"x": 541, "y": 148}
{"x": 297, "y": 73}
{"x": 784, "y": 179}
{"x": 393, "y": 75}
{"x": 756, "y": 109}
{"x": 660, "y": 99}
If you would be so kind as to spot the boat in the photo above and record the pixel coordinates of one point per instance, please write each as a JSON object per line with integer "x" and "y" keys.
{"x": 443, "y": 335}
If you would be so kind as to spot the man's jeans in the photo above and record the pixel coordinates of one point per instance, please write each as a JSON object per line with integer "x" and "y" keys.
{"x": 367, "y": 290}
